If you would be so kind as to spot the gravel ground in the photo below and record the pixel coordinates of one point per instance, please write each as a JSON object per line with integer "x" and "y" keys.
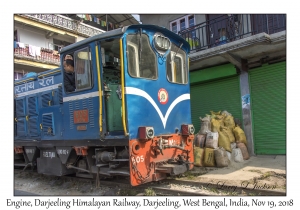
{"x": 51, "y": 185}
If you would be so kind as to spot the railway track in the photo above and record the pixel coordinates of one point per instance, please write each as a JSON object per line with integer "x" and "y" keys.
{"x": 171, "y": 187}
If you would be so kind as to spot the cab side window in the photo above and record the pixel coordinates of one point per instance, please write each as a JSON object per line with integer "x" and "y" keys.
{"x": 177, "y": 66}
{"x": 69, "y": 74}
{"x": 82, "y": 67}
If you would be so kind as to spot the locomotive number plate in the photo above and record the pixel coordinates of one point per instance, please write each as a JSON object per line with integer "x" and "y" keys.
{"x": 81, "y": 116}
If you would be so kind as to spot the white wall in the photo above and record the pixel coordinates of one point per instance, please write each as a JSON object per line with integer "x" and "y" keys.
{"x": 160, "y": 19}
{"x": 199, "y": 18}
{"x": 32, "y": 36}
{"x": 37, "y": 37}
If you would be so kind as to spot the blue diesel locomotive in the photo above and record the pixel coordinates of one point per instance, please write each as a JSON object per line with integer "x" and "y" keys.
{"x": 129, "y": 114}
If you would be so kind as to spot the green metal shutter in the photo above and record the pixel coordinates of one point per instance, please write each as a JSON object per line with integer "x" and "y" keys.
{"x": 217, "y": 95}
{"x": 268, "y": 105}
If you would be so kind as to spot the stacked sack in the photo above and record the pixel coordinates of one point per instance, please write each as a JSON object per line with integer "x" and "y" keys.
{"x": 200, "y": 141}
{"x": 219, "y": 140}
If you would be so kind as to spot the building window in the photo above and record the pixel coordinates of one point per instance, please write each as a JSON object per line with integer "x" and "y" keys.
{"x": 182, "y": 23}
{"x": 18, "y": 75}
{"x": 56, "y": 47}
{"x": 58, "y": 44}
{"x": 191, "y": 20}
{"x": 174, "y": 27}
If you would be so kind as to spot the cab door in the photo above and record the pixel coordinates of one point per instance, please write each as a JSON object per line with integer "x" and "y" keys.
{"x": 81, "y": 107}
{"x": 112, "y": 86}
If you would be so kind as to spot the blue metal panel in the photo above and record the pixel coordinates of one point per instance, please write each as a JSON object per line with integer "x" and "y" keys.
{"x": 20, "y": 107}
{"x": 142, "y": 113}
{"x": 92, "y": 127}
{"x": 52, "y": 122}
{"x": 21, "y": 127}
{"x": 48, "y": 124}
{"x": 46, "y": 99}
{"x": 142, "y": 103}
{"x": 33, "y": 124}
{"x": 32, "y": 105}
{"x": 32, "y": 100}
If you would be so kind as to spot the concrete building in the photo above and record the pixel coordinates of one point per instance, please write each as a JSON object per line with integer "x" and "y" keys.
{"x": 237, "y": 63}
{"x": 38, "y": 37}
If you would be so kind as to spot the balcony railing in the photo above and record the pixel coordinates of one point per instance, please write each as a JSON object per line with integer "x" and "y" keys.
{"x": 65, "y": 23}
{"x": 228, "y": 28}
{"x": 44, "y": 56}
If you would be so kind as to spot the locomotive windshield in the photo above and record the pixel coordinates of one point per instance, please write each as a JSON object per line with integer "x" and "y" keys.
{"x": 177, "y": 65}
{"x": 144, "y": 65}
{"x": 141, "y": 64}
{"x": 82, "y": 65}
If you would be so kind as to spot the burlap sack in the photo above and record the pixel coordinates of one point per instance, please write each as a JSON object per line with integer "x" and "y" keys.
{"x": 229, "y": 122}
{"x": 239, "y": 135}
{"x": 224, "y": 140}
{"x": 200, "y": 140}
{"x": 225, "y": 113}
{"x": 205, "y": 126}
{"x": 215, "y": 125}
{"x": 237, "y": 155}
{"x": 221, "y": 157}
{"x": 198, "y": 156}
{"x": 244, "y": 150}
{"x": 233, "y": 145}
{"x": 229, "y": 133}
{"x": 209, "y": 157}
{"x": 212, "y": 140}
{"x": 215, "y": 113}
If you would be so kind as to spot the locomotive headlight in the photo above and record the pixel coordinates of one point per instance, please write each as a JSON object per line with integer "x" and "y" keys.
{"x": 146, "y": 132}
{"x": 191, "y": 129}
{"x": 149, "y": 132}
{"x": 161, "y": 43}
{"x": 158, "y": 41}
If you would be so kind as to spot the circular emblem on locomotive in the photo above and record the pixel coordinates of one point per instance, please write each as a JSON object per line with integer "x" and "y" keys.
{"x": 163, "y": 96}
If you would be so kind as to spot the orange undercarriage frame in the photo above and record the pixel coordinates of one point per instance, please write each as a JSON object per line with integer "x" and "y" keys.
{"x": 152, "y": 159}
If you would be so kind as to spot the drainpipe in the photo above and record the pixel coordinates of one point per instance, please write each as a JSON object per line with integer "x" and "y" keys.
{"x": 246, "y": 111}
